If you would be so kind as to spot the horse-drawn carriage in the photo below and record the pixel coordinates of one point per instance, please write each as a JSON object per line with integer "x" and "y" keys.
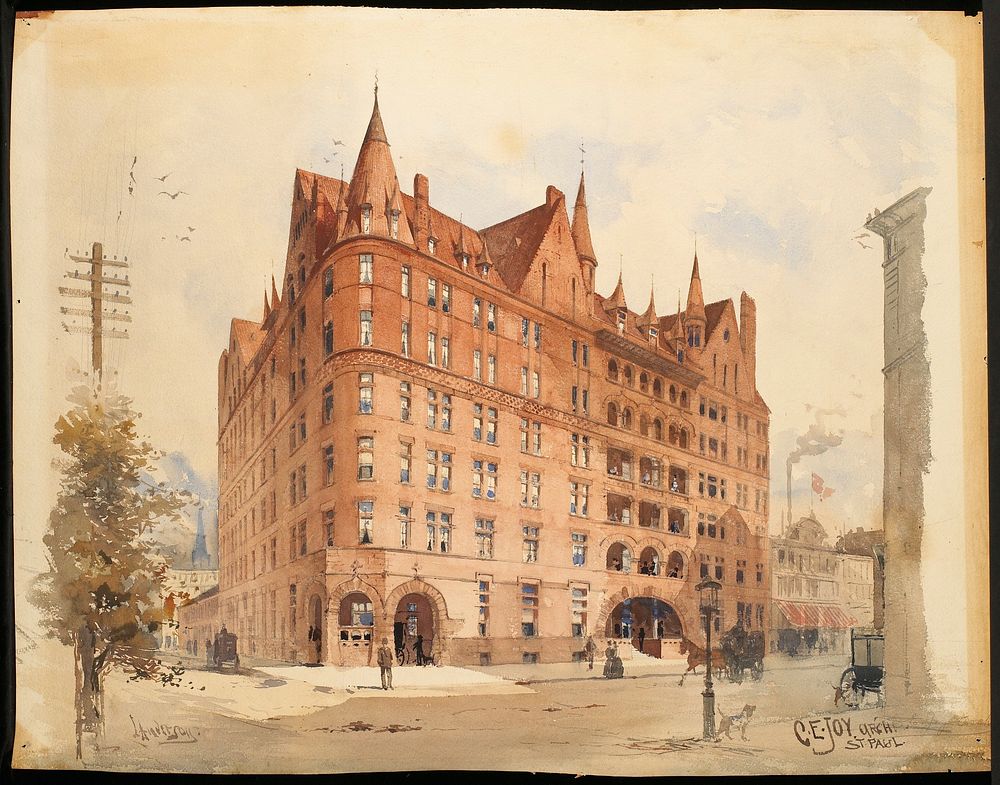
{"x": 867, "y": 671}
{"x": 743, "y": 651}
{"x": 224, "y": 649}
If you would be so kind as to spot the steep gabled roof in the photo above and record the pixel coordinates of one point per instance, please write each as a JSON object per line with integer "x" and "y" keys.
{"x": 248, "y": 337}
{"x": 713, "y": 315}
{"x": 515, "y": 242}
{"x": 581, "y": 226}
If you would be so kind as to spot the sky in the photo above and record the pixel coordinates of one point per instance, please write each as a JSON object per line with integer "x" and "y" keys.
{"x": 693, "y": 125}
{"x": 768, "y": 136}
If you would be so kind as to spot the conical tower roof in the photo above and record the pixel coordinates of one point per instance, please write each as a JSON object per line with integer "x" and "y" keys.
{"x": 581, "y": 226}
{"x": 648, "y": 318}
{"x": 375, "y": 187}
{"x": 275, "y": 300}
{"x": 696, "y": 301}
{"x": 267, "y": 307}
{"x": 617, "y": 298}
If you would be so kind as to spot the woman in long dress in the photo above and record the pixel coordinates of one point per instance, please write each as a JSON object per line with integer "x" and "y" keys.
{"x": 613, "y": 668}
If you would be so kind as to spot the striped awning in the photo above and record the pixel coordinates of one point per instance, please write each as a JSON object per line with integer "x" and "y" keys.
{"x": 811, "y": 614}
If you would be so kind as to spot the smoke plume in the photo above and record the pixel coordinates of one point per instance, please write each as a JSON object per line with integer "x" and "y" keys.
{"x": 815, "y": 441}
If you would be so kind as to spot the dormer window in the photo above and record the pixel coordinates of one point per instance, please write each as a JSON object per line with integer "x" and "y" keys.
{"x": 484, "y": 269}
{"x": 694, "y": 336}
{"x": 653, "y": 333}
{"x": 394, "y": 224}
{"x": 464, "y": 259}
{"x": 431, "y": 245}
{"x": 366, "y": 218}
{"x": 622, "y": 314}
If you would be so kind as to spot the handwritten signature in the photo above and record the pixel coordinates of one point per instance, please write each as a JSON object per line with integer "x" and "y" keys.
{"x": 822, "y": 735}
{"x": 162, "y": 732}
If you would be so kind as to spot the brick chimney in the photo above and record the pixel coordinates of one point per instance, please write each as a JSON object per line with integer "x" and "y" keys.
{"x": 421, "y": 211}
{"x": 748, "y": 338}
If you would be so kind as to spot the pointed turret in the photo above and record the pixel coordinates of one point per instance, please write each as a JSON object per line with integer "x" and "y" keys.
{"x": 275, "y": 300}
{"x": 267, "y": 307}
{"x": 695, "y": 314}
{"x": 677, "y": 329}
{"x": 341, "y": 208}
{"x": 648, "y": 318}
{"x": 617, "y": 298}
{"x": 199, "y": 555}
{"x": 580, "y": 230}
{"x": 374, "y": 204}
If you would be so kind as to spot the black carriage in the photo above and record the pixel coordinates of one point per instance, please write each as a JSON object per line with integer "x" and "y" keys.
{"x": 743, "y": 651}
{"x": 867, "y": 671}
{"x": 225, "y": 650}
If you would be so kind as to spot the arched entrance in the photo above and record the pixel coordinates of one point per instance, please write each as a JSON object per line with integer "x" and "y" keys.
{"x": 356, "y": 621}
{"x": 317, "y": 627}
{"x": 649, "y": 621}
{"x": 413, "y": 627}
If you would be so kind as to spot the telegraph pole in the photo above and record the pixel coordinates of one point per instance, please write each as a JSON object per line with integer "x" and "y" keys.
{"x": 98, "y": 278}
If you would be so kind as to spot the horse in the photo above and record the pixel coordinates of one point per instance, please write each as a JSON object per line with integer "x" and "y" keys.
{"x": 696, "y": 656}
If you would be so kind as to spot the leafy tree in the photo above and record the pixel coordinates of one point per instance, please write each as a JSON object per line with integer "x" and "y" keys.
{"x": 101, "y": 594}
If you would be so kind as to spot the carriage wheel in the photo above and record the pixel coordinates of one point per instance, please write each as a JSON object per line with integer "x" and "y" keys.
{"x": 736, "y": 674}
{"x": 757, "y": 670}
{"x": 850, "y": 689}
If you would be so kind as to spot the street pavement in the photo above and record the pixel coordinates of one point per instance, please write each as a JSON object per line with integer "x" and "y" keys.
{"x": 557, "y": 717}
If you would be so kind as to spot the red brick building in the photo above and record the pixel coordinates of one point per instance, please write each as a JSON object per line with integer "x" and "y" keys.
{"x": 447, "y": 432}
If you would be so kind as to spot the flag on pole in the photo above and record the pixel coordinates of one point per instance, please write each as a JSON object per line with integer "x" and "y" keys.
{"x": 819, "y": 487}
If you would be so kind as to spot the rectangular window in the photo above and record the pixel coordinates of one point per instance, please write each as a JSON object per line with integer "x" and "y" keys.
{"x": 441, "y": 534}
{"x": 293, "y": 546}
{"x": 292, "y": 436}
{"x": 365, "y": 265}
{"x": 477, "y": 365}
{"x": 529, "y": 610}
{"x": 432, "y": 409}
{"x": 477, "y": 312}
{"x": 524, "y": 435}
{"x": 491, "y": 425}
{"x": 579, "y": 549}
{"x": 586, "y": 356}
{"x": 366, "y": 522}
{"x": 445, "y": 412}
{"x": 524, "y": 381}
{"x": 538, "y": 336}
{"x": 484, "y": 538}
{"x": 328, "y": 338}
{"x": 573, "y": 350}
{"x": 404, "y": 526}
{"x": 293, "y": 487}
{"x": 536, "y": 386}
{"x": 580, "y": 450}
{"x": 328, "y": 404}
{"x": 439, "y": 470}
{"x": 328, "y": 465}
{"x": 579, "y": 608}
{"x": 446, "y": 297}
{"x": 531, "y": 489}
{"x": 491, "y": 317}
{"x": 586, "y": 401}
{"x": 405, "y": 339}
{"x": 445, "y": 353}
{"x": 578, "y": 493}
{"x": 404, "y": 284}
{"x": 302, "y": 482}
{"x": 303, "y": 546}
{"x": 328, "y": 527}
{"x": 327, "y": 282}
{"x": 366, "y": 328}
{"x": 432, "y": 287}
{"x": 274, "y": 553}
{"x": 302, "y": 371}
{"x": 302, "y": 428}
{"x": 431, "y": 348}
{"x": 404, "y": 401}
{"x": 491, "y": 368}
{"x": 366, "y": 458}
{"x": 529, "y": 551}
{"x": 477, "y": 422}
{"x": 365, "y": 392}
{"x": 484, "y": 606}
{"x": 524, "y": 332}
{"x": 405, "y": 461}
{"x": 574, "y": 397}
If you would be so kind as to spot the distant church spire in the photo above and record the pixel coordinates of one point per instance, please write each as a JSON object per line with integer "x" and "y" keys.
{"x": 199, "y": 556}
{"x": 696, "y": 300}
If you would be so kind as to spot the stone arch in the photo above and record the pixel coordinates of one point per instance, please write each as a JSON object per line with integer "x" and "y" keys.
{"x": 335, "y": 597}
{"x": 687, "y": 612}
{"x": 313, "y": 595}
{"x": 445, "y": 627}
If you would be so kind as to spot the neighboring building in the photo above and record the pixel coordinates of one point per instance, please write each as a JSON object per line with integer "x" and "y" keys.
{"x": 819, "y": 593}
{"x": 179, "y": 587}
{"x": 199, "y": 621}
{"x": 870, "y": 543}
{"x": 448, "y": 432}
{"x": 907, "y": 392}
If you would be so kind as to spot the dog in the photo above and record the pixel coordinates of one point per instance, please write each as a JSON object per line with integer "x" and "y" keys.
{"x": 741, "y": 720}
{"x": 838, "y": 693}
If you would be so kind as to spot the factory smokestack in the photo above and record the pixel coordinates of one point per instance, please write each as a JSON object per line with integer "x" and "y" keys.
{"x": 815, "y": 441}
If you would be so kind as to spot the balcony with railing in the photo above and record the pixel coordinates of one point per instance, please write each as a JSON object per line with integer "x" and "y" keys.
{"x": 619, "y": 509}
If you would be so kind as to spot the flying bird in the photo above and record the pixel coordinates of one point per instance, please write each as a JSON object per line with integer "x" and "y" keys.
{"x": 182, "y": 239}
{"x": 174, "y": 196}
{"x": 859, "y": 236}
{"x": 863, "y": 245}
{"x": 338, "y": 142}
{"x": 134, "y": 159}
{"x": 119, "y": 216}
{"x": 191, "y": 229}
{"x": 161, "y": 179}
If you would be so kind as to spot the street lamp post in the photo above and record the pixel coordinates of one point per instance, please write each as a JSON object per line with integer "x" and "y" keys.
{"x": 708, "y": 600}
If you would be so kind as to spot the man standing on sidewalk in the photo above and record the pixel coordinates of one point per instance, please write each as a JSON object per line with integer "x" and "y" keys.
{"x": 590, "y": 650}
{"x": 385, "y": 664}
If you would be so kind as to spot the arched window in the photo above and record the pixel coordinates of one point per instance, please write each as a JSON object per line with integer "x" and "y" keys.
{"x": 619, "y": 558}
{"x": 327, "y": 282}
{"x": 627, "y": 418}
{"x": 628, "y": 375}
{"x": 612, "y": 413}
{"x": 674, "y": 434}
{"x": 673, "y": 394}
{"x": 657, "y": 387}
{"x": 658, "y": 429}
{"x": 675, "y": 565}
{"x": 643, "y": 425}
{"x": 644, "y": 382}
{"x": 328, "y": 338}
{"x": 684, "y": 437}
{"x": 684, "y": 399}
{"x": 612, "y": 370}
